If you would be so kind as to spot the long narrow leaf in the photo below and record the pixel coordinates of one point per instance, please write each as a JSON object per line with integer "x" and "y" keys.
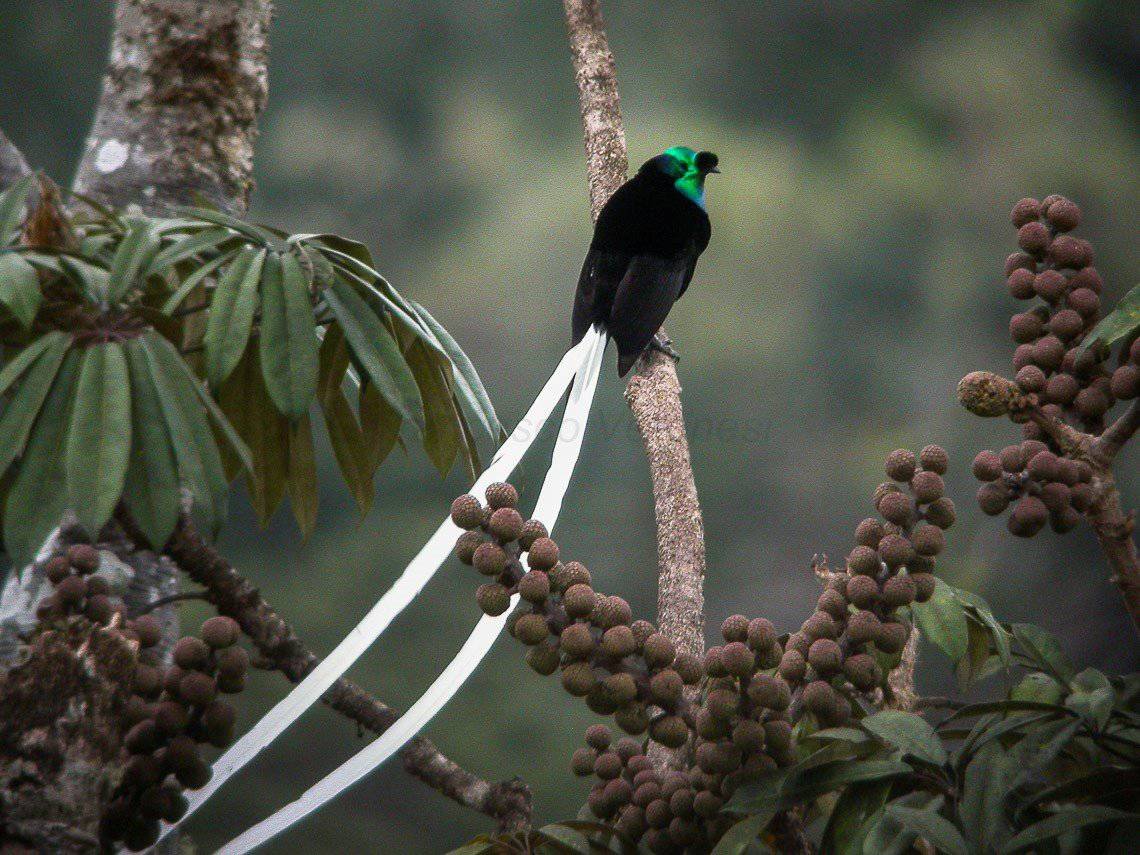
{"x": 302, "y": 484}
{"x": 376, "y": 351}
{"x": 131, "y": 258}
{"x": 38, "y": 495}
{"x": 27, "y": 401}
{"x": 442, "y": 431}
{"x": 204, "y": 241}
{"x": 19, "y": 288}
{"x": 345, "y": 435}
{"x": 14, "y": 368}
{"x": 231, "y": 315}
{"x": 99, "y": 439}
{"x": 152, "y": 485}
{"x": 289, "y": 344}
{"x": 195, "y": 279}
{"x": 12, "y": 202}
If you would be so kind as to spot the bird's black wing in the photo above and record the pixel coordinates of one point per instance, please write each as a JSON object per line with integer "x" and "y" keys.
{"x": 646, "y": 294}
{"x": 602, "y": 272}
{"x": 700, "y": 242}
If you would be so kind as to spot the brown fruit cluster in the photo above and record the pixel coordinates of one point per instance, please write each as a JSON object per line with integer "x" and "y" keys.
{"x": 1042, "y": 487}
{"x": 1049, "y": 360}
{"x": 76, "y": 590}
{"x": 174, "y": 711}
{"x": 735, "y": 708}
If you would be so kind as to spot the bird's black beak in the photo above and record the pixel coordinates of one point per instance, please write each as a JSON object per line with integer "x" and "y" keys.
{"x": 714, "y": 171}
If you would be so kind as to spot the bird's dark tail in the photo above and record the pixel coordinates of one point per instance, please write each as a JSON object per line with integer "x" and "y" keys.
{"x": 626, "y": 362}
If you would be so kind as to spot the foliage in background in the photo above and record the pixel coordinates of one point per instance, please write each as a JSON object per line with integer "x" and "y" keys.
{"x": 111, "y": 324}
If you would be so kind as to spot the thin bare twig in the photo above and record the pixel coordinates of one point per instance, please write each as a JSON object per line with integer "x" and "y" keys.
{"x": 1109, "y": 443}
{"x": 172, "y": 598}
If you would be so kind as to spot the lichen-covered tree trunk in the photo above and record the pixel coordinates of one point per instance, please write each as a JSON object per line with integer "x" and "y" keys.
{"x": 176, "y": 121}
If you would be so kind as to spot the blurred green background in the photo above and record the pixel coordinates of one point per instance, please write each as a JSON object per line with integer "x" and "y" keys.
{"x": 871, "y": 152}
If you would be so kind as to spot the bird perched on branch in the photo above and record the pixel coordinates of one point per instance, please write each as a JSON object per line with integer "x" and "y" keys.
{"x": 646, "y": 244}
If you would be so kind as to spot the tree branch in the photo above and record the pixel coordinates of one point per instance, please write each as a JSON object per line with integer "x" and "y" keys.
{"x": 13, "y": 167}
{"x": 1109, "y": 443}
{"x": 654, "y": 392}
{"x": 508, "y": 802}
{"x": 177, "y": 116}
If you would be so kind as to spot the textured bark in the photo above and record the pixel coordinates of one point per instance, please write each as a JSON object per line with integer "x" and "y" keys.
{"x": 653, "y": 392}
{"x": 60, "y": 735}
{"x": 177, "y": 117}
{"x": 508, "y": 802}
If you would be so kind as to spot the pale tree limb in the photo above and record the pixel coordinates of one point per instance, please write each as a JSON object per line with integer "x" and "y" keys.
{"x": 654, "y": 392}
{"x": 13, "y": 166}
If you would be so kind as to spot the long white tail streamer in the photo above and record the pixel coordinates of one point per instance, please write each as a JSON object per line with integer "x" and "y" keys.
{"x": 554, "y": 486}
{"x": 403, "y": 591}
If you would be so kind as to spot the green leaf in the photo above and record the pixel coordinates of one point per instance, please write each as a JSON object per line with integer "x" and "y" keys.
{"x": 1120, "y": 322}
{"x": 376, "y": 350}
{"x": 255, "y": 233}
{"x": 99, "y": 439}
{"x": 856, "y": 804}
{"x": 36, "y": 366}
{"x": 908, "y": 732}
{"x": 289, "y": 344}
{"x": 38, "y": 495}
{"x": 985, "y": 780}
{"x": 1092, "y": 697}
{"x": 942, "y": 619}
{"x": 204, "y": 241}
{"x": 372, "y": 288}
{"x": 1063, "y": 822}
{"x": 12, "y": 204}
{"x": 938, "y": 831}
{"x": 380, "y": 424}
{"x": 246, "y": 403}
{"x": 194, "y": 279}
{"x": 443, "y": 431}
{"x": 1039, "y": 687}
{"x": 977, "y": 609}
{"x": 198, "y": 466}
{"x": 19, "y": 288}
{"x": 1044, "y": 650}
{"x": 133, "y": 256}
{"x": 885, "y": 835}
{"x": 152, "y": 487}
{"x": 231, "y": 315}
{"x": 302, "y": 485}
{"x": 472, "y": 394}
{"x": 740, "y": 837}
{"x": 345, "y": 435}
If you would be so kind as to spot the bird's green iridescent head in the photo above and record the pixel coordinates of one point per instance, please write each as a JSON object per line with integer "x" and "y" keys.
{"x": 687, "y": 168}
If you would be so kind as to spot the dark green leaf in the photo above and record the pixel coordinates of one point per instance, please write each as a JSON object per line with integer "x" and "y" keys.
{"x": 345, "y": 435}
{"x": 908, "y": 732}
{"x": 99, "y": 439}
{"x": 133, "y": 256}
{"x": 1039, "y": 687}
{"x": 443, "y": 433}
{"x": 376, "y": 350}
{"x": 246, "y": 403}
{"x": 12, "y": 204}
{"x": 255, "y": 233}
{"x": 38, "y": 495}
{"x": 1044, "y": 650}
{"x": 288, "y": 341}
{"x": 856, "y": 804}
{"x": 1092, "y": 696}
{"x": 152, "y": 487}
{"x": 89, "y": 279}
{"x": 985, "y": 781}
{"x": 942, "y": 620}
{"x": 471, "y": 392}
{"x": 37, "y": 365}
{"x": 19, "y": 288}
{"x": 938, "y": 831}
{"x": 885, "y": 835}
{"x": 369, "y": 285}
{"x": 231, "y": 315}
{"x": 201, "y": 242}
{"x": 380, "y": 424}
{"x": 1120, "y": 322}
{"x": 302, "y": 484}
{"x": 973, "y": 666}
{"x": 979, "y": 610}
{"x": 740, "y": 837}
{"x": 196, "y": 278}
{"x": 1062, "y": 822}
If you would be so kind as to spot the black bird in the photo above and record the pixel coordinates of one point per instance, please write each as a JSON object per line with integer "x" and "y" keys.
{"x": 646, "y": 244}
